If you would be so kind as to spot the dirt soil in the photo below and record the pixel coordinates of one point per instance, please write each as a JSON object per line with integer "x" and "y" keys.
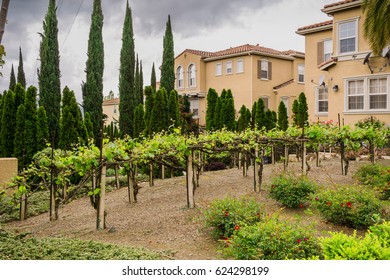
{"x": 160, "y": 219}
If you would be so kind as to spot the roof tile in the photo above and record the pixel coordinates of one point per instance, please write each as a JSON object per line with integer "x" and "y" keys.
{"x": 316, "y": 25}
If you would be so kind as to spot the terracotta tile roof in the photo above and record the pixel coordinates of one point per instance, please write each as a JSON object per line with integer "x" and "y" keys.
{"x": 284, "y": 84}
{"x": 324, "y": 65}
{"x": 316, "y": 25}
{"x": 340, "y": 3}
{"x": 292, "y": 53}
{"x": 200, "y": 53}
{"x": 114, "y": 101}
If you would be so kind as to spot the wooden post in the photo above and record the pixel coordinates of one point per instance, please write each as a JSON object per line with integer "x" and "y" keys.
{"x": 117, "y": 183}
{"x": 130, "y": 184}
{"x": 201, "y": 162}
{"x": 163, "y": 172}
{"x": 239, "y": 160}
{"x": 244, "y": 166}
{"x": 273, "y": 154}
{"x": 190, "y": 182}
{"x": 151, "y": 181}
{"x": 285, "y": 161}
{"x": 64, "y": 190}
{"x": 256, "y": 183}
{"x": 23, "y": 207}
{"x": 304, "y": 169}
{"x": 101, "y": 219}
{"x": 52, "y": 202}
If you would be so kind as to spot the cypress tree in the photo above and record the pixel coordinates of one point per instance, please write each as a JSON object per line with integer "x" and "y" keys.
{"x": 19, "y": 140}
{"x": 21, "y": 75}
{"x": 218, "y": 120}
{"x": 153, "y": 81}
{"x": 223, "y": 94}
{"x": 269, "y": 120}
{"x": 228, "y": 114}
{"x": 248, "y": 118}
{"x": 212, "y": 97}
{"x": 149, "y": 104}
{"x": 282, "y": 117}
{"x": 42, "y": 129}
{"x": 49, "y": 74}
{"x": 88, "y": 125}
{"x": 260, "y": 114}
{"x": 168, "y": 60}
{"x": 137, "y": 84}
{"x": 12, "y": 79}
{"x": 241, "y": 124}
{"x": 254, "y": 114}
{"x": 303, "y": 115}
{"x": 19, "y": 95}
{"x": 69, "y": 135}
{"x": 1, "y": 115}
{"x": 7, "y": 134}
{"x": 30, "y": 105}
{"x": 141, "y": 84}
{"x": 294, "y": 109}
{"x": 158, "y": 119}
{"x": 93, "y": 99}
{"x": 126, "y": 76}
{"x": 173, "y": 110}
{"x": 139, "y": 122}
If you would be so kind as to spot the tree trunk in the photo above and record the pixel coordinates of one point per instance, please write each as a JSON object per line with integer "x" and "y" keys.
{"x": 190, "y": 182}
{"x": 130, "y": 184}
{"x": 285, "y": 161}
{"x": 163, "y": 172}
{"x": 239, "y": 160}
{"x": 151, "y": 181}
{"x": 3, "y": 17}
{"x": 117, "y": 182}
{"x": 101, "y": 219}
{"x": 244, "y": 166}
{"x": 23, "y": 207}
{"x": 52, "y": 202}
{"x": 256, "y": 182}
{"x": 304, "y": 162}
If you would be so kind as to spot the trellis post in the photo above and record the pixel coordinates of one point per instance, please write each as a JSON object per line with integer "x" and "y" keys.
{"x": 151, "y": 181}
{"x": 256, "y": 181}
{"x": 239, "y": 160}
{"x": 101, "y": 219}
{"x": 117, "y": 183}
{"x": 190, "y": 181}
{"x": 162, "y": 172}
{"x": 130, "y": 184}
{"x": 23, "y": 207}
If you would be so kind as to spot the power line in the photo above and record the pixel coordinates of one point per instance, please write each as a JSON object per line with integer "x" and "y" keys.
{"x": 59, "y": 6}
{"x": 71, "y": 26}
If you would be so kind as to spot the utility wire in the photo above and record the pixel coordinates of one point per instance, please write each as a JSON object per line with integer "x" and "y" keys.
{"x": 71, "y": 26}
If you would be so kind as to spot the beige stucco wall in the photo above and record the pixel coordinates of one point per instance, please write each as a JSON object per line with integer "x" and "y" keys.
{"x": 8, "y": 169}
{"x": 112, "y": 112}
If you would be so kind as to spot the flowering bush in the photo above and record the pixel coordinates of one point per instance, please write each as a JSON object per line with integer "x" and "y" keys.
{"x": 291, "y": 191}
{"x": 377, "y": 176}
{"x": 353, "y": 207}
{"x": 272, "y": 240}
{"x": 228, "y": 215}
{"x": 375, "y": 245}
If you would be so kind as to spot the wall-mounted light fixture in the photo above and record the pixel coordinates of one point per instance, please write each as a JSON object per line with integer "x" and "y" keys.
{"x": 335, "y": 88}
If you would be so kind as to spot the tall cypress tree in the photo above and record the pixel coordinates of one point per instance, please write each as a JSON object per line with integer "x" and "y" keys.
{"x": 126, "y": 76}
{"x": 30, "y": 105}
{"x": 19, "y": 95}
{"x": 295, "y": 110}
{"x": 153, "y": 81}
{"x": 228, "y": 114}
{"x": 173, "y": 109}
{"x": 7, "y": 134}
{"x": 212, "y": 97}
{"x": 137, "y": 84}
{"x": 12, "y": 79}
{"x": 269, "y": 120}
{"x": 244, "y": 121}
{"x": 19, "y": 140}
{"x": 21, "y": 75}
{"x": 260, "y": 114}
{"x": 254, "y": 114}
{"x": 49, "y": 74}
{"x": 141, "y": 84}
{"x": 303, "y": 115}
{"x": 218, "y": 120}
{"x": 158, "y": 119}
{"x": 93, "y": 99}
{"x": 149, "y": 104}
{"x": 42, "y": 129}
{"x": 139, "y": 122}
{"x": 167, "y": 80}
{"x": 88, "y": 125}
{"x": 282, "y": 117}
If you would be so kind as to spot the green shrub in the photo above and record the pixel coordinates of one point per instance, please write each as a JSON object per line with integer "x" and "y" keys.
{"x": 272, "y": 240}
{"x": 377, "y": 176}
{"x": 227, "y": 215}
{"x": 375, "y": 245}
{"x": 354, "y": 207}
{"x": 292, "y": 192}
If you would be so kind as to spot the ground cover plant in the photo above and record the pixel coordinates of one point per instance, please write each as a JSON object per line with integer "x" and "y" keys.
{"x": 377, "y": 177}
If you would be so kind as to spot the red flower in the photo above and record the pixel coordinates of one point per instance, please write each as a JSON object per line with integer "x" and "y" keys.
{"x": 306, "y": 239}
{"x": 317, "y": 198}
{"x": 342, "y": 204}
{"x": 236, "y": 227}
{"x": 329, "y": 203}
{"x": 388, "y": 171}
{"x": 301, "y": 205}
{"x": 226, "y": 213}
{"x": 273, "y": 186}
{"x": 299, "y": 241}
{"x": 349, "y": 204}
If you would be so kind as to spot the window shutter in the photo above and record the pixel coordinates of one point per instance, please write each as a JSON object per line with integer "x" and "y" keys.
{"x": 269, "y": 70}
{"x": 320, "y": 52}
{"x": 259, "y": 69}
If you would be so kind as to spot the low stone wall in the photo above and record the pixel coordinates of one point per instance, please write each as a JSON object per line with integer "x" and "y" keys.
{"x": 8, "y": 169}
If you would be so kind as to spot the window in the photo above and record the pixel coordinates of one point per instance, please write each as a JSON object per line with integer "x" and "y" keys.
{"x": 301, "y": 73}
{"x": 229, "y": 67}
{"x": 115, "y": 109}
{"x": 322, "y": 100}
{"x": 378, "y": 93}
{"x": 328, "y": 49}
{"x": 192, "y": 75}
{"x": 265, "y": 100}
{"x": 218, "y": 69}
{"x": 194, "y": 107}
{"x": 264, "y": 70}
{"x": 355, "y": 93}
{"x": 240, "y": 66}
{"x": 180, "y": 77}
{"x": 285, "y": 100}
{"x": 347, "y": 37}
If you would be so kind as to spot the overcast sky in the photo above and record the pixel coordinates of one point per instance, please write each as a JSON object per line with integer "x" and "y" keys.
{"x": 208, "y": 25}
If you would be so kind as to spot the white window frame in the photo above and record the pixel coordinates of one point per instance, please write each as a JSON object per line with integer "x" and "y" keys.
{"x": 382, "y": 92}
{"x": 240, "y": 66}
{"x": 194, "y": 107}
{"x": 180, "y": 77}
{"x": 339, "y": 38}
{"x": 229, "y": 67}
{"x": 218, "y": 69}
{"x": 319, "y": 90}
{"x": 264, "y": 69}
{"x": 328, "y": 49}
{"x": 367, "y": 95}
{"x": 192, "y": 75}
{"x": 301, "y": 73}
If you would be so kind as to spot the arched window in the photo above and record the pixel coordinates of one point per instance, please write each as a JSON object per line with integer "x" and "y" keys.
{"x": 192, "y": 75}
{"x": 180, "y": 77}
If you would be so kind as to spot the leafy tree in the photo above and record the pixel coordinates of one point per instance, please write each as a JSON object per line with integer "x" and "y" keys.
{"x": 127, "y": 103}
{"x": 69, "y": 135}
{"x": 149, "y": 104}
{"x": 283, "y": 117}
{"x": 7, "y": 134}
{"x": 49, "y": 74}
{"x": 218, "y": 121}
{"x": 269, "y": 121}
{"x": 153, "y": 81}
{"x": 30, "y": 105}
{"x": 42, "y": 129}
{"x": 141, "y": 84}
{"x": 173, "y": 109}
{"x": 21, "y": 76}
{"x": 93, "y": 98}
{"x": 212, "y": 97}
{"x": 188, "y": 124}
{"x": 12, "y": 80}
{"x": 295, "y": 109}
{"x": 228, "y": 113}
{"x": 88, "y": 125}
{"x": 303, "y": 115}
{"x": 19, "y": 95}
{"x": 168, "y": 60}
{"x": 377, "y": 23}
{"x": 260, "y": 114}
{"x": 253, "y": 115}
{"x": 137, "y": 85}
{"x": 19, "y": 140}
{"x": 244, "y": 121}
{"x": 223, "y": 94}
{"x": 158, "y": 119}
{"x": 139, "y": 121}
